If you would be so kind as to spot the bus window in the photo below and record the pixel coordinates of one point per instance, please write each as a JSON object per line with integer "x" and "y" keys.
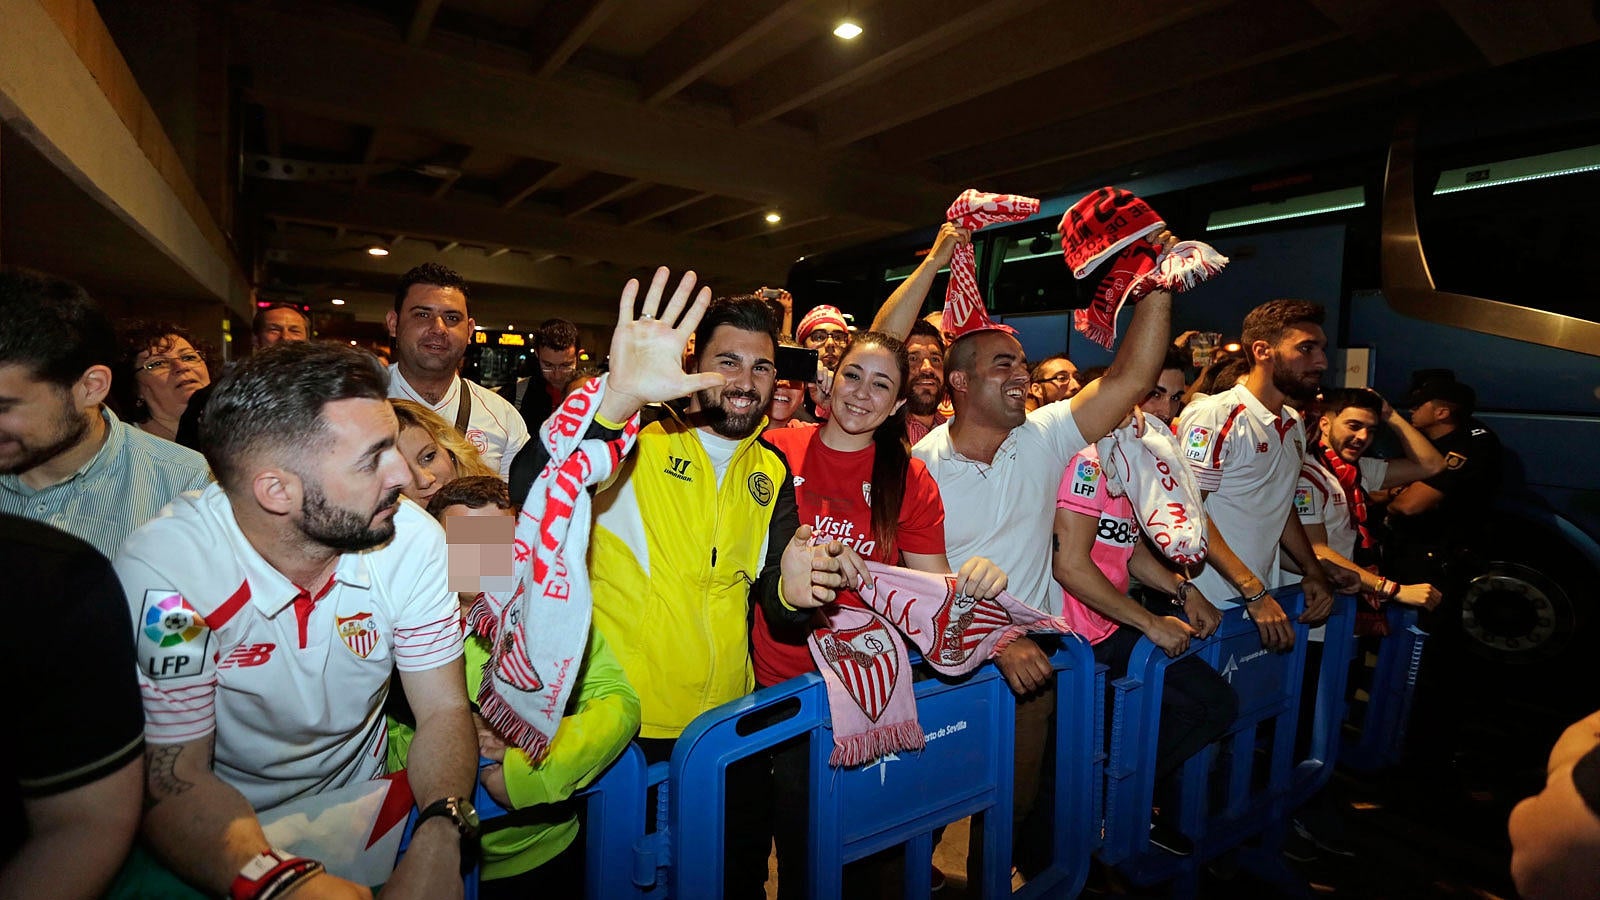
{"x": 1031, "y": 275}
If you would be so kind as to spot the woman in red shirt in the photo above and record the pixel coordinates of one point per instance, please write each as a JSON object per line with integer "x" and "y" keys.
{"x": 855, "y": 482}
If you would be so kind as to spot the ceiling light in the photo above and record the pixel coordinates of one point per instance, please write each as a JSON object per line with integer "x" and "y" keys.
{"x": 847, "y": 30}
{"x": 774, "y": 218}
{"x": 352, "y": 343}
{"x": 376, "y": 250}
{"x": 1231, "y": 347}
{"x": 1512, "y": 171}
{"x": 336, "y": 301}
{"x": 1292, "y": 208}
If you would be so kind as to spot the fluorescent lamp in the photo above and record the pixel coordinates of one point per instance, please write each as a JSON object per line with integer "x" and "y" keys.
{"x": 337, "y": 301}
{"x": 774, "y": 218}
{"x": 847, "y": 30}
{"x": 1511, "y": 171}
{"x": 375, "y": 250}
{"x": 1292, "y": 208}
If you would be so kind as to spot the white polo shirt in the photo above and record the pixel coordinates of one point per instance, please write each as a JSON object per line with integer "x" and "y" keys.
{"x": 1249, "y": 459}
{"x": 1318, "y": 500}
{"x": 494, "y": 426}
{"x": 1005, "y": 511}
{"x": 291, "y": 682}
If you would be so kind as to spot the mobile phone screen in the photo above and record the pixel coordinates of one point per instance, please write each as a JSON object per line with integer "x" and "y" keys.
{"x": 797, "y": 364}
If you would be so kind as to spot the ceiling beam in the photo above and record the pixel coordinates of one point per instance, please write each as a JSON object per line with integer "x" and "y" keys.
{"x": 439, "y": 220}
{"x": 895, "y": 32}
{"x": 1277, "y": 85}
{"x": 658, "y": 201}
{"x": 354, "y": 78}
{"x": 450, "y": 159}
{"x": 369, "y": 155}
{"x": 711, "y": 213}
{"x": 421, "y": 21}
{"x": 707, "y": 39}
{"x": 596, "y": 190}
{"x": 1243, "y": 35}
{"x": 1506, "y": 35}
{"x": 525, "y": 178}
{"x": 562, "y": 28}
{"x": 1062, "y": 32}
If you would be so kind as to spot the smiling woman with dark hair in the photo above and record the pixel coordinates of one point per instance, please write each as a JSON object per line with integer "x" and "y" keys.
{"x": 158, "y": 369}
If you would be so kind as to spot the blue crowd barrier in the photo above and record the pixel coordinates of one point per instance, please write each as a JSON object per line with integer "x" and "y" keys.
{"x": 1255, "y": 804}
{"x": 1076, "y": 769}
{"x": 1380, "y": 738}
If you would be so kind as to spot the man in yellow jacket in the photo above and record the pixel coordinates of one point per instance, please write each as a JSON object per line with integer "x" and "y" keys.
{"x": 699, "y": 524}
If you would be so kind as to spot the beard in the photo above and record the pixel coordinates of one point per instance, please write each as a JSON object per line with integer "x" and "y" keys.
{"x": 922, "y": 403}
{"x": 70, "y": 428}
{"x": 1297, "y": 387}
{"x": 341, "y": 529}
{"x": 735, "y": 426}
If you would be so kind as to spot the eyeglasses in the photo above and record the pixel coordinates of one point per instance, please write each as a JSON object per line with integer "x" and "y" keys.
{"x": 819, "y": 337}
{"x": 1060, "y": 379}
{"x": 161, "y": 364}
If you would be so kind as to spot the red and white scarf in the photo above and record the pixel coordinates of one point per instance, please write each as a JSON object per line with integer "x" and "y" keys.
{"x": 964, "y": 310}
{"x": 864, "y": 663}
{"x": 1349, "y": 478}
{"x": 1143, "y": 464}
{"x": 1112, "y": 222}
{"x": 539, "y": 632}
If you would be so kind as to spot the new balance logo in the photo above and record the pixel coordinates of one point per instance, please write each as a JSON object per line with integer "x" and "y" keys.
{"x": 247, "y": 655}
{"x": 678, "y": 467}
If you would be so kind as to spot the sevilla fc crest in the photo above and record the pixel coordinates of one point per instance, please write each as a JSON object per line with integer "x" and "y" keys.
{"x": 359, "y": 632}
{"x": 865, "y": 661}
{"x": 511, "y": 664}
{"x": 963, "y": 622}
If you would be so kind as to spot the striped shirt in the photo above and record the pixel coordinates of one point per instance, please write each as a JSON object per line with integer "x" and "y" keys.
{"x": 121, "y": 488}
{"x": 291, "y": 679}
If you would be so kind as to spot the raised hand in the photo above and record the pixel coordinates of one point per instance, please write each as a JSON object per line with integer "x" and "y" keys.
{"x": 647, "y": 352}
{"x": 945, "y": 243}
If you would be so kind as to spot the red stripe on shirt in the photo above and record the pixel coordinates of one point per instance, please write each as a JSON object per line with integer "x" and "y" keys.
{"x": 1222, "y": 436}
{"x": 224, "y": 613}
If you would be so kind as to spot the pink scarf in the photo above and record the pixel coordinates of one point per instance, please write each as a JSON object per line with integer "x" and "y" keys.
{"x": 1112, "y": 222}
{"x": 963, "y": 304}
{"x": 864, "y": 662}
{"x": 539, "y": 632}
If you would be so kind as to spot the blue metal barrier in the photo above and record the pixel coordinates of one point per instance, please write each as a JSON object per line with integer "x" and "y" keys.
{"x": 1077, "y": 767}
{"x": 1254, "y": 804}
{"x": 966, "y": 769}
{"x": 1382, "y": 737}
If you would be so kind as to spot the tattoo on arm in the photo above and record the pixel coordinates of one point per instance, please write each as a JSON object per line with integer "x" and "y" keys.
{"x": 163, "y": 780}
{"x": 1055, "y": 542}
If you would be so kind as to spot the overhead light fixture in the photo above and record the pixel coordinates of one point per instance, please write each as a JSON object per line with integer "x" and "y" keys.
{"x": 774, "y": 218}
{"x": 337, "y": 301}
{"x": 1527, "y": 168}
{"x": 1231, "y": 347}
{"x": 1292, "y": 208}
{"x": 376, "y": 250}
{"x": 847, "y": 30}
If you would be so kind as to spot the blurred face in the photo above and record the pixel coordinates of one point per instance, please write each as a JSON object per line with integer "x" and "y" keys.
{"x": 38, "y": 420}
{"x": 744, "y": 358}
{"x": 996, "y": 391}
{"x": 1299, "y": 360}
{"x": 281, "y": 325}
{"x": 927, "y": 375}
{"x": 866, "y": 390}
{"x": 1350, "y": 432}
{"x": 352, "y": 490}
{"x": 432, "y": 330}
{"x": 1166, "y": 397}
{"x": 168, "y": 374}
{"x": 786, "y": 398}
{"x": 829, "y": 341}
{"x": 557, "y": 366}
{"x": 430, "y": 465}
{"x": 1058, "y": 380}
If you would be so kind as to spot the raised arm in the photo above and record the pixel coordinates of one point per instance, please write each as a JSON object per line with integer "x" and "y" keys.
{"x": 899, "y": 312}
{"x": 1104, "y": 403}
{"x": 1422, "y": 458}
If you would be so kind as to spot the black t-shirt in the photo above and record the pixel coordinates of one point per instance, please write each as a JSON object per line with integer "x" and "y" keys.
{"x": 68, "y": 656}
{"x": 1470, "y": 479}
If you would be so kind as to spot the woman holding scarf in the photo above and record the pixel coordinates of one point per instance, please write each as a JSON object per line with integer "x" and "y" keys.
{"x": 855, "y": 482}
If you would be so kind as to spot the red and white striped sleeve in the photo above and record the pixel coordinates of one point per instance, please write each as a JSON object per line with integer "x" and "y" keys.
{"x": 428, "y": 630}
{"x": 177, "y": 655}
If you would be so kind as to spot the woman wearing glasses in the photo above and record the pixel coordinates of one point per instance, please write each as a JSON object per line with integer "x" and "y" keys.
{"x": 157, "y": 372}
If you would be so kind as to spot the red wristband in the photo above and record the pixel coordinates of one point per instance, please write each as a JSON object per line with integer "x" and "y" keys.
{"x": 270, "y": 874}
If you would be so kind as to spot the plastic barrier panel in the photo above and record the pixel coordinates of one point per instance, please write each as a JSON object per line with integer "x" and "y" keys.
{"x": 1256, "y": 795}
{"x": 1381, "y": 738}
{"x": 965, "y": 769}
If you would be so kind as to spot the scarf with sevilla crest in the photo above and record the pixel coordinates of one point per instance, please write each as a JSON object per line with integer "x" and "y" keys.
{"x": 1112, "y": 222}
{"x": 963, "y": 305}
{"x": 539, "y": 631}
{"x": 867, "y": 671}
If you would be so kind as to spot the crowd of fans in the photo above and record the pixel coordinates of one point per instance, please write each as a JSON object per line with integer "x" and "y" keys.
{"x": 241, "y": 559}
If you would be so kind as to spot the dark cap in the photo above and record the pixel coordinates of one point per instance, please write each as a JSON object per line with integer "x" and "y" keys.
{"x": 1448, "y": 390}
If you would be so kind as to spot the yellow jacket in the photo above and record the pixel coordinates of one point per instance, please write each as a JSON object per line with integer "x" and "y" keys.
{"x": 675, "y": 562}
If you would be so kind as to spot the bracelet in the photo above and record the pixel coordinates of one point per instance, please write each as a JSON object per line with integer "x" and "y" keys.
{"x": 1387, "y": 589}
{"x": 1259, "y": 595}
{"x": 1180, "y": 596}
{"x": 272, "y": 873}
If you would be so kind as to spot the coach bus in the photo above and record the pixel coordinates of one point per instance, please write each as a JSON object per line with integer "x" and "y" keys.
{"x": 1432, "y": 245}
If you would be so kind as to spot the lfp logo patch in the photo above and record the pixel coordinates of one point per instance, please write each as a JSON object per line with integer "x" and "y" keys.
{"x": 1196, "y": 443}
{"x": 1084, "y": 477}
{"x": 1302, "y": 501}
{"x": 171, "y": 621}
{"x": 174, "y": 640}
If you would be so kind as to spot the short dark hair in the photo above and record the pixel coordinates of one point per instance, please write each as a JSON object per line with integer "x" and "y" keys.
{"x": 555, "y": 334}
{"x": 1340, "y": 399}
{"x": 430, "y": 273}
{"x": 922, "y": 328}
{"x": 136, "y": 336}
{"x": 1038, "y": 367}
{"x": 746, "y": 312}
{"x": 1270, "y": 320}
{"x": 259, "y": 323}
{"x": 51, "y": 326}
{"x": 1176, "y": 359}
{"x": 273, "y": 400}
{"x": 473, "y": 492}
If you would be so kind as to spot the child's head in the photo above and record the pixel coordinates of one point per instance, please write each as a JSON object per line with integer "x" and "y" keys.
{"x": 479, "y": 524}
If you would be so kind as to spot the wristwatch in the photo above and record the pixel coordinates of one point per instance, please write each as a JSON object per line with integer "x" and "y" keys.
{"x": 459, "y": 810}
{"x": 1181, "y": 595}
